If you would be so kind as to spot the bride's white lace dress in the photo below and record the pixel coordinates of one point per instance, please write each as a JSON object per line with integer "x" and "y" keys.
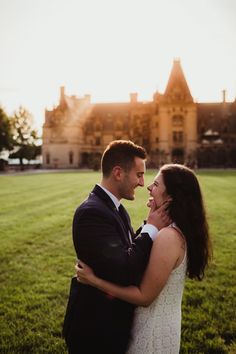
{"x": 157, "y": 328}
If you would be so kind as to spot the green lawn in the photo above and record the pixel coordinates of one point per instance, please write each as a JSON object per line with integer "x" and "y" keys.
{"x": 37, "y": 260}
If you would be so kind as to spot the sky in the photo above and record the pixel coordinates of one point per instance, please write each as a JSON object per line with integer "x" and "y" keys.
{"x": 110, "y": 48}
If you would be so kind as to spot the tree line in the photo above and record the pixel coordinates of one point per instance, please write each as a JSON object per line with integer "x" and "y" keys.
{"x": 18, "y": 137}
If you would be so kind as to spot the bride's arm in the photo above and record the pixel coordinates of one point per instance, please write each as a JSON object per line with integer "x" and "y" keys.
{"x": 164, "y": 255}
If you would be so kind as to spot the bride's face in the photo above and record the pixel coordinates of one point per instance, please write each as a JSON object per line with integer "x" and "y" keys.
{"x": 157, "y": 190}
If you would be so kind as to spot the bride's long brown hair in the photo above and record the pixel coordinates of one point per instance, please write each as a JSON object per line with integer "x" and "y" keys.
{"x": 188, "y": 212}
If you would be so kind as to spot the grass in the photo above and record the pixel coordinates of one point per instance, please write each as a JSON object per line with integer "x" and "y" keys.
{"x": 37, "y": 261}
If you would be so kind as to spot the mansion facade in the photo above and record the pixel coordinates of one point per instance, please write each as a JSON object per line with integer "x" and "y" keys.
{"x": 171, "y": 127}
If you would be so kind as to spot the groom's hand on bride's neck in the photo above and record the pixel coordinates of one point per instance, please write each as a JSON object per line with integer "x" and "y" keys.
{"x": 159, "y": 216}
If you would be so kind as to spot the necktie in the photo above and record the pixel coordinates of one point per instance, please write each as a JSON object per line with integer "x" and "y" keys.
{"x": 123, "y": 217}
{"x": 125, "y": 221}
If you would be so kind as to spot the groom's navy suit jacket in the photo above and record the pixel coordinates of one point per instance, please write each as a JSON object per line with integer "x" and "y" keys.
{"x": 101, "y": 240}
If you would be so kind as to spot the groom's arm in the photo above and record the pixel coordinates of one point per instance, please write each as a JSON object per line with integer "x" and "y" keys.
{"x": 98, "y": 242}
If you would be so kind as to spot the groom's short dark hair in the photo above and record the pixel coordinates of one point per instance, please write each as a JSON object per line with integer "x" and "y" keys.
{"x": 121, "y": 153}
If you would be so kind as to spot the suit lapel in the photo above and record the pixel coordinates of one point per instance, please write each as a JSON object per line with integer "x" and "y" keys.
{"x": 104, "y": 196}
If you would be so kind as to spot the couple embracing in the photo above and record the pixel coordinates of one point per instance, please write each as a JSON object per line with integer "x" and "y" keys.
{"x": 127, "y": 295}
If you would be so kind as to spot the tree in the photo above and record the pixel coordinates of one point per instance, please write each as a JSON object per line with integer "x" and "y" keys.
{"x": 6, "y": 139}
{"x": 24, "y": 136}
{"x": 28, "y": 152}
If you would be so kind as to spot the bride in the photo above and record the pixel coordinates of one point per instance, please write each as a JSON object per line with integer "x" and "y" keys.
{"x": 182, "y": 248}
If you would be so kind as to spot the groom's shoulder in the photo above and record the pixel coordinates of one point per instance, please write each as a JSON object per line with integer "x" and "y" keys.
{"x": 91, "y": 202}
{"x": 93, "y": 205}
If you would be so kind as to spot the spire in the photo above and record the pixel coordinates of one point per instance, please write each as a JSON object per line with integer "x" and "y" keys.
{"x": 177, "y": 88}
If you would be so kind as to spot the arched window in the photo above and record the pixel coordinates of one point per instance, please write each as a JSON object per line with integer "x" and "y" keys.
{"x": 178, "y": 155}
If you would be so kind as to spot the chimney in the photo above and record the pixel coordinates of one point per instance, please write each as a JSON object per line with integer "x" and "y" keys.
{"x": 87, "y": 98}
{"x": 62, "y": 94}
{"x": 134, "y": 97}
{"x": 224, "y": 95}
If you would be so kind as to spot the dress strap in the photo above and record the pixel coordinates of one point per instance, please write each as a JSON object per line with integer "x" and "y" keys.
{"x": 174, "y": 226}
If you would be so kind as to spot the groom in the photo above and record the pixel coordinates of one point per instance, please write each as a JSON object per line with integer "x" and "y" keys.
{"x": 103, "y": 238}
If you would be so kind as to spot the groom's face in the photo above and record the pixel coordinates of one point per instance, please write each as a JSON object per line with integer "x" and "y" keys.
{"x": 132, "y": 179}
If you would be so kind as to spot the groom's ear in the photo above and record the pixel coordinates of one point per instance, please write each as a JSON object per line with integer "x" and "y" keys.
{"x": 117, "y": 172}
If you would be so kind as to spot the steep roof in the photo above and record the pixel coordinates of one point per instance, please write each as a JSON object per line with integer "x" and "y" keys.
{"x": 177, "y": 86}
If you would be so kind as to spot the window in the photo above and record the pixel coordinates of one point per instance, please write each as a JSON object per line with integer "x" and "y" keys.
{"x": 225, "y": 129}
{"x": 97, "y": 141}
{"x": 71, "y": 157}
{"x": 47, "y": 158}
{"x": 118, "y": 126}
{"x": 98, "y": 126}
{"x": 178, "y": 137}
{"x": 89, "y": 127}
{"x": 108, "y": 124}
{"x": 202, "y": 129}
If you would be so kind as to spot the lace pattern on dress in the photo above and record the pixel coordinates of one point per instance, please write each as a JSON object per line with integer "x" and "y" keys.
{"x": 157, "y": 328}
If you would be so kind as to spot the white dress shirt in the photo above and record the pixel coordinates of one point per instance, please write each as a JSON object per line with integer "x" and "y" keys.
{"x": 150, "y": 229}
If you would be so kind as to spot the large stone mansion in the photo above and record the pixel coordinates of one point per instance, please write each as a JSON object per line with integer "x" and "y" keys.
{"x": 172, "y": 127}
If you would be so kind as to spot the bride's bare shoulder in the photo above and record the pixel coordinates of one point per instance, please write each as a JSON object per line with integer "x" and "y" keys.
{"x": 169, "y": 235}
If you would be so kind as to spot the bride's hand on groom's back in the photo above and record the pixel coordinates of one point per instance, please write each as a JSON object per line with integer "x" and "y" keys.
{"x": 84, "y": 273}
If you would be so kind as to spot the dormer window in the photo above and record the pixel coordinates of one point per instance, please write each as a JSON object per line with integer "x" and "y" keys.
{"x": 178, "y": 120}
